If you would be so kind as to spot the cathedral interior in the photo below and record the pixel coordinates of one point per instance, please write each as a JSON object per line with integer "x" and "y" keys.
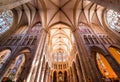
{"x": 59, "y": 40}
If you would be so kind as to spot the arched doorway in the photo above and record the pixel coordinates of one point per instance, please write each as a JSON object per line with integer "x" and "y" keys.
{"x": 115, "y": 53}
{"x": 65, "y": 76}
{"x": 105, "y": 68}
{"x": 4, "y": 55}
{"x": 60, "y": 77}
{"x": 55, "y": 76}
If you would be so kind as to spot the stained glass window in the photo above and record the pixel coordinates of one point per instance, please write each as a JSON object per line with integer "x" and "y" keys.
{"x": 60, "y": 57}
{"x": 102, "y": 65}
{"x": 4, "y": 55}
{"x": 115, "y": 53}
{"x": 105, "y": 67}
{"x": 16, "y": 69}
{"x": 6, "y": 19}
{"x": 84, "y": 29}
{"x": 113, "y": 19}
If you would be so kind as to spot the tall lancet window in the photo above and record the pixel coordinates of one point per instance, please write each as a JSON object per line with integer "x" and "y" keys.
{"x": 6, "y": 19}
{"x": 84, "y": 29}
{"x": 104, "y": 67}
{"x": 16, "y": 68}
{"x": 113, "y": 19}
{"x": 115, "y": 53}
{"x": 36, "y": 28}
{"x": 4, "y": 55}
{"x": 60, "y": 57}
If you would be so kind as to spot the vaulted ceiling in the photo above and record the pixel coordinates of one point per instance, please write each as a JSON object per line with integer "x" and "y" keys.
{"x": 60, "y": 41}
{"x": 58, "y": 17}
{"x": 51, "y": 12}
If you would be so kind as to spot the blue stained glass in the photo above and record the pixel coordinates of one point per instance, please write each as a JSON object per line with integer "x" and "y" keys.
{"x": 6, "y": 19}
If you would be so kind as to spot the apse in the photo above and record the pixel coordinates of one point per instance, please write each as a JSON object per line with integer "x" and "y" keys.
{"x": 60, "y": 43}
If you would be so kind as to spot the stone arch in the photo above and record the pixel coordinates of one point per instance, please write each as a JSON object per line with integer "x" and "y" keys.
{"x": 86, "y": 24}
{"x": 95, "y": 49}
{"x": 54, "y": 76}
{"x": 4, "y": 48}
{"x": 115, "y": 52}
{"x": 65, "y": 76}
{"x": 26, "y": 51}
{"x": 36, "y": 23}
{"x": 104, "y": 67}
{"x": 36, "y": 27}
{"x": 22, "y": 56}
{"x": 62, "y": 23}
{"x": 102, "y": 64}
{"x": 5, "y": 54}
{"x": 60, "y": 76}
{"x": 15, "y": 69}
{"x": 87, "y": 27}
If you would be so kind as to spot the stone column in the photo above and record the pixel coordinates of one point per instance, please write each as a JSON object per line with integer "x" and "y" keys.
{"x": 86, "y": 67}
{"x": 78, "y": 68}
{"x": 34, "y": 75}
{"x": 71, "y": 75}
{"x": 74, "y": 71}
{"x": 42, "y": 73}
{"x": 46, "y": 73}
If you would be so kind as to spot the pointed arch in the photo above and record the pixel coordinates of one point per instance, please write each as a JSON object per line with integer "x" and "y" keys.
{"x": 54, "y": 76}
{"x": 84, "y": 28}
{"x": 60, "y": 76}
{"x": 115, "y": 52}
{"x": 4, "y": 56}
{"x": 62, "y": 23}
{"x": 16, "y": 69}
{"x": 103, "y": 66}
{"x": 65, "y": 76}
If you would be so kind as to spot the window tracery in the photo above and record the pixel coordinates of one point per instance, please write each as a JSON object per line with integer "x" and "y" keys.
{"x": 113, "y": 19}
{"x": 84, "y": 29}
{"x": 16, "y": 68}
{"x": 6, "y": 19}
{"x": 105, "y": 67}
{"x": 4, "y": 55}
{"x": 60, "y": 57}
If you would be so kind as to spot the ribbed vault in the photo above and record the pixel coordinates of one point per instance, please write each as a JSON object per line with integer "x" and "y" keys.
{"x": 51, "y": 12}
{"x": 60, "y": 41}
{"x": 60, "y": 35}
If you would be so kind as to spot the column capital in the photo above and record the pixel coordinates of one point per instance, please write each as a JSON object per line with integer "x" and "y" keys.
{"x": 45, "y": 30}
{"x": 74, "y": 30}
